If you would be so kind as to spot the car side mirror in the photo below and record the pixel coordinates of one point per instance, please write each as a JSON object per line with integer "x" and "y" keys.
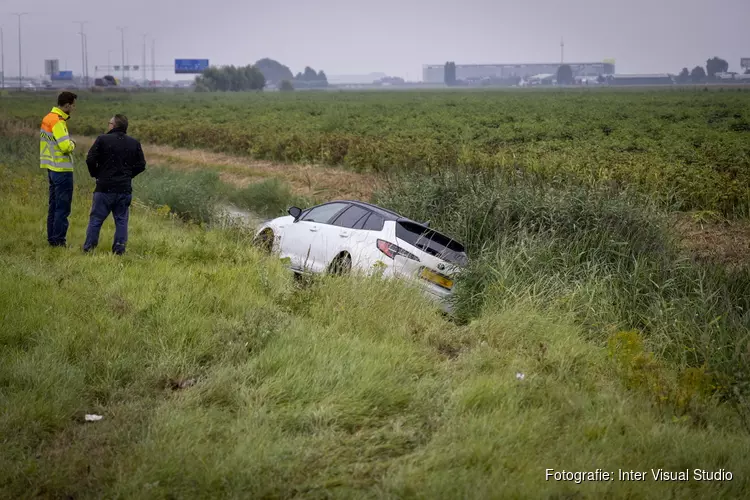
{"x": 295, "y": 212}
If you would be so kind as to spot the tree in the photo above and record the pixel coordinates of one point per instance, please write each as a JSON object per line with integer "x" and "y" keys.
{"x": 390, "y": 80}
{"x": 716, "y": 65}
{"x": 565, "y": 75}
{"x": 273, "y": 71}
{"x": 684, "y": 76}
{"x": 230, "y": 78}
{"x": 311, "y": 79}
{"x": 286, "y": 86}
{"x": 698, "y": 74}
{"x": 309, "y": 75}
{"x": 450, "y": 73}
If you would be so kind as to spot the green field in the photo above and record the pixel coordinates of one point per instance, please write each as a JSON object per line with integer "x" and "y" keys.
{"x": 585, "y": 337}
{"x": 687, "y": 147}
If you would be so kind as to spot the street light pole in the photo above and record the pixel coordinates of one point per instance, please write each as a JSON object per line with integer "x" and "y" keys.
{"x": 144, "y": 57}
{"x": 122, "y": 32}
{"x": 2, "y": 57}
{"x": 153, "y": 59}
{"x": 20, "y": 71}
{"x": 83, "y": 51}
{"x": 86, "y": 59}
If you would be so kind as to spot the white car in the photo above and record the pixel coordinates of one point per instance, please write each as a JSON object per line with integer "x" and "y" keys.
{"x": 343, "y": 235}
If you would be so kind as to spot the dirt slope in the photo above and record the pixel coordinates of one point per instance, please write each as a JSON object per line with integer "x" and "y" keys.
{"x": 306, "y": 180}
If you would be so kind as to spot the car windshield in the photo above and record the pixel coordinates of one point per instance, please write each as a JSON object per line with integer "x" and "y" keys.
{"x": 430, "y": 241}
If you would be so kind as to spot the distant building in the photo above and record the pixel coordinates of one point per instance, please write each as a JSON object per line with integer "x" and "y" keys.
{"x": 732, "y": 76}
{"x": 435, "y": 73}
{"x": 355, "y": 79}
{"x": 659, "y": 79}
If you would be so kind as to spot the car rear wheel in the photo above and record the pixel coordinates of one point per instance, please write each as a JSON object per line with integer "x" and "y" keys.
{"x": 341, "y": 265}
{"x": 264, "y": 241}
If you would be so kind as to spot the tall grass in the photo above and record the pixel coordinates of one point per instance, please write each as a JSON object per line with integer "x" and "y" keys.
{"x": 192, "y": 195}
{"x": 604, "y": 258}
{"x": 201, "y": 196}
{"x": 269, "y": 198}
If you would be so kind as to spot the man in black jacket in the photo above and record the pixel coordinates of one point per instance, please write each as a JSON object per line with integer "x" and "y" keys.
{"x": 114, "y": 160}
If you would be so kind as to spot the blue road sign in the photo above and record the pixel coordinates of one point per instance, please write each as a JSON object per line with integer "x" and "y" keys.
{"x": 62, "y": 75}
{"x": 190, "y": 65}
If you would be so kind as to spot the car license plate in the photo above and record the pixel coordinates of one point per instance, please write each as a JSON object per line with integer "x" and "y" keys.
{"x": 436, "y": 278}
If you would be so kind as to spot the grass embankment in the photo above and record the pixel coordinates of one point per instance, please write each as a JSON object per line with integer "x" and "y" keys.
{"x": 216, "y": 375}
{"x": 684, "y": 147}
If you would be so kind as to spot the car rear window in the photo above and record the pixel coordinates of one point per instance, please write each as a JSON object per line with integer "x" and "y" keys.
{"x": 432, "y": 242}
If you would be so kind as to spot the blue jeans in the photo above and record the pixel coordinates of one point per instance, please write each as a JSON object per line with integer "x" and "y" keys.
{"x": 104, "y": 203}
{"x": 60, "y": 199}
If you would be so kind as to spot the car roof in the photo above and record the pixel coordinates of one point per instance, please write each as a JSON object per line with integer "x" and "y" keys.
{"x": 383, "y": 212}
{"x": 388, "y": 215}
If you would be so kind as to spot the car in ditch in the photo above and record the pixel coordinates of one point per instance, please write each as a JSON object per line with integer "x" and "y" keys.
{"x": 345, "y": 236}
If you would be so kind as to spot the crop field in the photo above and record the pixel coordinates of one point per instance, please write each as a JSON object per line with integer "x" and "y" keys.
{"x": 587, "y": 335}
{"x": 687, "y": 148}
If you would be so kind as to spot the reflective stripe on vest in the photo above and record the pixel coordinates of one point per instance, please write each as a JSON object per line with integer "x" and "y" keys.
{"x": 52, "y": 158}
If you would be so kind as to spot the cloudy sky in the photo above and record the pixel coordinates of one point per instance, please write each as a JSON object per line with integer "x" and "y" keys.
{"x": 391, "y": 36}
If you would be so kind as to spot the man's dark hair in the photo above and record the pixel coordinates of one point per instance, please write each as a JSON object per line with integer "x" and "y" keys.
{"x": 66, "y": 98}
{"x": 121, "y": 122}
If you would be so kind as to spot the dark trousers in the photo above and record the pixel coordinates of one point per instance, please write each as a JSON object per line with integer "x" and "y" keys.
{"x": 104, "y": 203}
{"x": 60, "y": 200}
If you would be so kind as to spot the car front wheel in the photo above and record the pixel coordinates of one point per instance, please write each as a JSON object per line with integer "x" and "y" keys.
{"x": 264, "y": 241}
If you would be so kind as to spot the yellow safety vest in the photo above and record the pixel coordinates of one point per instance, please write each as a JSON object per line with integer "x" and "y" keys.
{"x": 55, "y": 146}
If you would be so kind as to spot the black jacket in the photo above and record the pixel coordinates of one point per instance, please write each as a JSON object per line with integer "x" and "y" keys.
{"x": 114, "y": 159}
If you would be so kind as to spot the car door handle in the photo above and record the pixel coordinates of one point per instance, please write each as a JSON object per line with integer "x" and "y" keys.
{"x": 313, "y": 228}
{"x": 344, "y": 234}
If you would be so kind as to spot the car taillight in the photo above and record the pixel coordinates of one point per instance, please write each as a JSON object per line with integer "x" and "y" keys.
{"x": 392, "y": 250}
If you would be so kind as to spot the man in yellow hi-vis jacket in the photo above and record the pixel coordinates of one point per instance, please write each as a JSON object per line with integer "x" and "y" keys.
{"x": 56, "y": 155}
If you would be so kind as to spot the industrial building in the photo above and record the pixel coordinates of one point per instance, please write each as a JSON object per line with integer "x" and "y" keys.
{"x": 658, "y": 79}
{"x": 435, "y": 73}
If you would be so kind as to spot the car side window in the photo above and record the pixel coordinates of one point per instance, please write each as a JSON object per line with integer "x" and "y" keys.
{"x": 361, "y": 222}
{"x": 323, "y": 213}
{"x": 350, "y": 217}
{"x": 374, "y": 223}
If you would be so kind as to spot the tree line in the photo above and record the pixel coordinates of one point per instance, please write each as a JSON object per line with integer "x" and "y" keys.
{"x": 698, "y": 74}
{"x": 257, "y": 76}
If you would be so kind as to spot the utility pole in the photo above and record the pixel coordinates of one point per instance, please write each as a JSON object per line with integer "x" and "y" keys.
{"x": 122, "y": 32}
{"x": 86, "y": 63}
{"x": 20, "y": 72}
{"x": 153, "y": 59}
{"x": 83, "y": 51}
{"x": 2, "y": 57}
{"x": 144, "y": 56}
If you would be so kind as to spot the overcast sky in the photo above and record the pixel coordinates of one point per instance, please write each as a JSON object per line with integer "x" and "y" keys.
{"x": 392, "y": 36}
